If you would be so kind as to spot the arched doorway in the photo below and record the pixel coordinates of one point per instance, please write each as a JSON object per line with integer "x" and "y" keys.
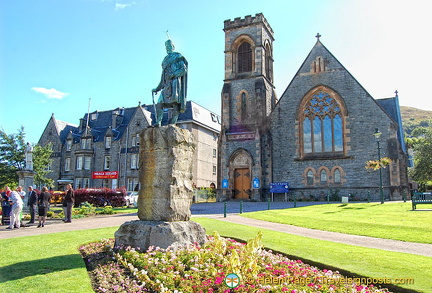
{"x": 240, "y": 169}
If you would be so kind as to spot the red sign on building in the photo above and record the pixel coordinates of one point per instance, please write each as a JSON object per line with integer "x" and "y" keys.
{"x": 105, "y": 175}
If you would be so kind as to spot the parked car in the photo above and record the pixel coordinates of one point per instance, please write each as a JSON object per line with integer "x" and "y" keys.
{"x": 57, "y": 197}
{"x": 132, "y": 198}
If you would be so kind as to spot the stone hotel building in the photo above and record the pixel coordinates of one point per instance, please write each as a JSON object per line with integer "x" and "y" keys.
{"x": 103, "y": 149}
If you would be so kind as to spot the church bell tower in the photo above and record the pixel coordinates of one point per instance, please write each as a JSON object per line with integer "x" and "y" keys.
{"x": 248, "y": 97}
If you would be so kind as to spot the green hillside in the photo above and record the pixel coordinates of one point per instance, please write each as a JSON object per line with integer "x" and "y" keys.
{"x": 413, "y": 118}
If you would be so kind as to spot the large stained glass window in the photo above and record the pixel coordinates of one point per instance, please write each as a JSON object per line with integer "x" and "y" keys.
{"x": 322, "y": 124}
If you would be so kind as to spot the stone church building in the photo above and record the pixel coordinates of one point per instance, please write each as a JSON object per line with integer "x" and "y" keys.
{"x": 317, "y": 136}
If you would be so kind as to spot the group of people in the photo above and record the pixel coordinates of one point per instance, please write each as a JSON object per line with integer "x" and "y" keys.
{"x": 13, "y": 203}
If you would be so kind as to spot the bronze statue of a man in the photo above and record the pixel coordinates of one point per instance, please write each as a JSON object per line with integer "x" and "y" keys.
{"x": 173, "y": 85}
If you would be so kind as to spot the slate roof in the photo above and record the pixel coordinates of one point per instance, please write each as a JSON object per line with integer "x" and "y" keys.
{"x": 194, "y": 113}
{"x": 63, "y": 129}
{"x": 101, "y": 121}
{"x": 392, "y": 108}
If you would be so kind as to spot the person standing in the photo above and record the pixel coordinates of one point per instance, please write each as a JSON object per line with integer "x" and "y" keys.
{"x": 17, "y": 205}
{"x": 43, "y": 205}
{"x": 6, "y": 207}
{"x": 22, "y": 193}
{"x": 31, "y": 203}
{"x": 69, "y": 200}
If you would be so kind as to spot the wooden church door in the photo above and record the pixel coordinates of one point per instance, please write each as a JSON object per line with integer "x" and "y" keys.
{"x": 242, "y": 183}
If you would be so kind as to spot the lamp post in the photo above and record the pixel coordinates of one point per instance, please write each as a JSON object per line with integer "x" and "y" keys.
{"x": 377, "y": 135}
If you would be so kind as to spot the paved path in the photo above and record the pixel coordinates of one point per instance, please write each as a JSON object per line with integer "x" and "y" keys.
{"x": 384, "y": 244}
{"x": 213, "y": 210}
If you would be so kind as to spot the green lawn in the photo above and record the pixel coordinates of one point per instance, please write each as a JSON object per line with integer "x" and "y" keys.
{"x": 52, "y": 263}
{"x": 392, "y": 220}
{"x": 47, "y": 263}
{"x": 349, "y": 259}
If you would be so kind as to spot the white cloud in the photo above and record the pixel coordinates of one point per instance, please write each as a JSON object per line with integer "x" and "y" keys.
{"x": 119, "y": 6}
{"x": 50, "y": 93}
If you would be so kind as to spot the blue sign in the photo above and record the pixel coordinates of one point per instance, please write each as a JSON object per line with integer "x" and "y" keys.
{"x": 225, "y": 183}
{"x": 256, "y": 183}
{"x": 279, "y": 187}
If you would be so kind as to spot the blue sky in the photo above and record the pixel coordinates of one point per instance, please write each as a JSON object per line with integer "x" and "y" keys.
{"x": 55, "y": 55}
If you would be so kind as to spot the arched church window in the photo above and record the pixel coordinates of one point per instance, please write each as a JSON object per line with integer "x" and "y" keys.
{"x": 323, "y": 176}
{"x": 268, "y": 62}
{"x": 322, "y": 125}
{"x": 337, "y": 176}
{"x": 310, "y": 177}
{"x": 245, "y": 57}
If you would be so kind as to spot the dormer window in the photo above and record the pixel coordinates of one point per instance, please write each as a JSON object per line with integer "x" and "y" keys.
{"x": 108, "y": 142}
{"x": 94, "y": 116}
{"x": 86, "y": 143}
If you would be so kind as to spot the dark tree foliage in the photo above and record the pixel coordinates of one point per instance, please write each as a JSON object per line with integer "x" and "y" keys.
{"x": 12, "y": 156}
{"x": 422, "y": 170}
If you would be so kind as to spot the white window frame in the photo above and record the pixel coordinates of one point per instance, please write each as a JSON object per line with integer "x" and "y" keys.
{"x": 108, "y": 141}
{"x": 132, "y": 182}
{"x": 78, "y": 183}
{"x": 86, "y": 143}
{"x": 107, "y": 162}
{"x": 68, "y": 145}
{"x": 134, "y": 161}
{"x": 87, "y": 163}
{"x": 67, "y": 164}
{"x": 79, "y": 163}
{"x": 86, "y": 182}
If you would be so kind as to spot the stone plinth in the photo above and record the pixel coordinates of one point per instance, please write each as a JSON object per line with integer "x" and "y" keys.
{"x": 166, "y": 192}
{"x": 26, "y": 178}
{"x": 161, "y": 234}
{"x": 165, "y": 174}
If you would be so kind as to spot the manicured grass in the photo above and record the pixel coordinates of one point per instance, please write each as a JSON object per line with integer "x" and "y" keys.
{"x": 358, "y": 261}
{"x": 51, "y": 262}
{"x": 47, "y": 263}
{"x": 391, "y": 220}
{"x": 124, "y": 210}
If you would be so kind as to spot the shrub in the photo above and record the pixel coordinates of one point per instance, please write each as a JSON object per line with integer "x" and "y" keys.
{"x": 107, "y": 210}
{"x": 101, "y": 197}
{"x": 86, "y": 208}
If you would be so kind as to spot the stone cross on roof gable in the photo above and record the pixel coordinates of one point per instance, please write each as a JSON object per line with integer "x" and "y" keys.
{"x": 318, "y": 36}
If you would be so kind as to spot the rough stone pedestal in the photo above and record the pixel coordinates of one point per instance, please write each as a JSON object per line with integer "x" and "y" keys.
{"x": 166, "y": 155}
{"x": 143, "y": 234}
{"x": 166, "y": 192}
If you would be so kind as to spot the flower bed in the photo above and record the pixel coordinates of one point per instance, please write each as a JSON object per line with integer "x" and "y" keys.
{"x": 220, "y": 265}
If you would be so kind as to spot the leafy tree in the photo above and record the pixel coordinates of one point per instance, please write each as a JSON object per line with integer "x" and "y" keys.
{"x": 419, "y": 131}
{"x": 12, "y": 156}
{"x": 41, "y": 161}
{"x": 422, "y": 170}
